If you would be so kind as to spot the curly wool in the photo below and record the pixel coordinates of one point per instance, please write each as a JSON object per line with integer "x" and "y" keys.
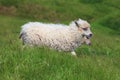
{"x": 56, "y": 36}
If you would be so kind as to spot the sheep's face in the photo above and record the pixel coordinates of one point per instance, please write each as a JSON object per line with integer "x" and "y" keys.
{"x": 84, "y": 28}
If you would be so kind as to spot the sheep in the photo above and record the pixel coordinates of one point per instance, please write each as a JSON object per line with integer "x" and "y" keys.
{"x": 56, "y": 36}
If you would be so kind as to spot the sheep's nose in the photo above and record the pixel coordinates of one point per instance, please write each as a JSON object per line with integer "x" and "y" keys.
{"x": 90, "y": 35}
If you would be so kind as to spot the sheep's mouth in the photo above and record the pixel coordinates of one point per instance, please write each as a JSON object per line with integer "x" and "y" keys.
{"x": 87, "y": 40}
{"x": 85, "y": 36}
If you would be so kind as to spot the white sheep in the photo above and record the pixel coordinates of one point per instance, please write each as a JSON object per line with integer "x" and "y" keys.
{"x": 56, "y": 36}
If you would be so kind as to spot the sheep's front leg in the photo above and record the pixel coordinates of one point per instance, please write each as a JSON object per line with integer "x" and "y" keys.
{"x": 73, "y": 53}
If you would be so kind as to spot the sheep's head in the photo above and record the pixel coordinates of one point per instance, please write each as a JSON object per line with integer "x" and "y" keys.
{"x": 84, "y": 27}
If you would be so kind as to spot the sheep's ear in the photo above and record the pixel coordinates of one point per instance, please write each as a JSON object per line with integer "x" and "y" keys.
{"x": 77, "y": 24}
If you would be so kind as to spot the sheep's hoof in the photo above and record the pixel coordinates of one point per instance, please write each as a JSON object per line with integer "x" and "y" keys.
{"x": 73, "y": 53}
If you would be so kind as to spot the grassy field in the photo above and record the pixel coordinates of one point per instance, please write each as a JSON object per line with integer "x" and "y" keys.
{"x": 100, "y": 61}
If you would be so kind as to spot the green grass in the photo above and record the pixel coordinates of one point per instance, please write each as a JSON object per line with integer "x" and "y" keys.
{"x": 60, "y": 10}
{"x": 100, "y": 61}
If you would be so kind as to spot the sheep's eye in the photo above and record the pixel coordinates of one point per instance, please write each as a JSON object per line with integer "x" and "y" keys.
{"x": 85, "y": 29}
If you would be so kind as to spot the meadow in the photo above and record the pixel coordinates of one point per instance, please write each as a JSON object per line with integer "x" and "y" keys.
{"x": 100, "y": 61}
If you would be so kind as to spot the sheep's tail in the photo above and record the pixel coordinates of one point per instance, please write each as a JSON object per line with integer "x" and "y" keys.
{"x": 20, "y": 36}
